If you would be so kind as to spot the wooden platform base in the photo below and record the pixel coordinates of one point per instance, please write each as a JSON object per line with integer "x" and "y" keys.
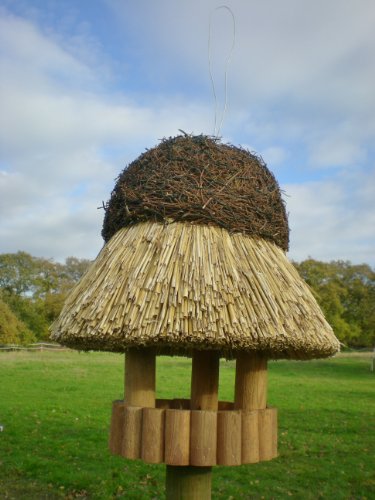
{"x": 173, "y": 434}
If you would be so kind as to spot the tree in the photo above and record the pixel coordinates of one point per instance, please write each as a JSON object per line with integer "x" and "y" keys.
{"x": 35, "y": 288}
{"x": 29, "y": 311}
{"x": 13, "y": 330}
{"x": 74, "y": 269}
{"x": 17, "y": 273}
{"x": 346, "y": 293}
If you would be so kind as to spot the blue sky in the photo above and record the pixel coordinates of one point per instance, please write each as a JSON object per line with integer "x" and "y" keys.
{"x": 86, "y": 86}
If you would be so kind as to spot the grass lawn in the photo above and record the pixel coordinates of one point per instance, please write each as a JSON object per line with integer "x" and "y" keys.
{"x": 55, "y": 412}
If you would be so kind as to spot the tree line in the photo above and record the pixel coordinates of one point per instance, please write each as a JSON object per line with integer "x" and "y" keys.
{"x": 32, "y": 293}
{"x": 33, "y": 290}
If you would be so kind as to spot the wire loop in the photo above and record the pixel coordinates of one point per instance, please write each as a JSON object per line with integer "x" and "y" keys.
{"x": 217, "y": 128}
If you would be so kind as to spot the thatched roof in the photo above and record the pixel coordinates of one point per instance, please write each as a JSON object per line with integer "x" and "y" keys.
{"x": 198, "y": 179}
{"x": 178, "y": 286}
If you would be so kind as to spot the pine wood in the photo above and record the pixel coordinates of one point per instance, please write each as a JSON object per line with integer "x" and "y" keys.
{"x": 205, "y": 380}
{"x": 188, "y": 483}
{"x": 203, "y": 438}
{"x": 250, "y": 395}
{"x": 177, "y": 437}
{"x": 251, "y": 382}
{"x": 267, "y": 434}
{"x": 250, "y": 437}
{"x": 117, "y": 428}
{"x": 229, "y": 438}
{"x": 194, "y": 482}
{"x": 131, "y": 443}
{"x": 140, "y": 377}
{"x": 152, "y": 449}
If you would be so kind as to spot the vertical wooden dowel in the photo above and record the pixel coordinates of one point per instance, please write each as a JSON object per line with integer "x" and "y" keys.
{"x": 203, "y": 438}
{"x": 131, "y": 443}
{"x": 139, "y": 393}
{"x": 153, "y": 426}
{"x": 250, "y": 436}
{"x": 251, "y": 382}
{"x": 140, "y": 378}
{"x": 268, "y": 434}
{"x": 194, "y": 483}
{"x": 204, "y": 380}
{"x": 250, "y": 394}
{"x": 229, "y": 430}
{"x": 188, "y": 483}
{"x": 177, "y": 437}
{"x": 117, "y": 428}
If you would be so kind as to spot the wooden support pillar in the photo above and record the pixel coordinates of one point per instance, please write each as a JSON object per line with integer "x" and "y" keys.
{"x": 194, "y": 483}
{"x": 251, "y": 382}
{"x": 139, "y": 393}
{"x": 188, "y": 483}
{"x": 250, "y": 395}
{"x": 204, "y": 380}
{"x": 140, "y": 378}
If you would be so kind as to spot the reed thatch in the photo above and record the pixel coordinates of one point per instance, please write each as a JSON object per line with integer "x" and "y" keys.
{"x": 178, "y": 286}
{"x": 200, "y": 180}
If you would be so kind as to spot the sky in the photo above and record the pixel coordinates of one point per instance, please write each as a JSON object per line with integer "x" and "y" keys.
{"x": 87, "y": 85}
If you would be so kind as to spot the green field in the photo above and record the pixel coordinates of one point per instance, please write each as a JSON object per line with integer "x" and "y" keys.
{"x": 55, "y": 412}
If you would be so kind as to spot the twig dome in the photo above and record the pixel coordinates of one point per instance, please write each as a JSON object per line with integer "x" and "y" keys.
{"x": 198, "y": 179}
{"x": 196, "y": 233}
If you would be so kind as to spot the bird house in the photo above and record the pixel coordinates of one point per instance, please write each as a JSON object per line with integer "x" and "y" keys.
{"x": 195, "y": 265}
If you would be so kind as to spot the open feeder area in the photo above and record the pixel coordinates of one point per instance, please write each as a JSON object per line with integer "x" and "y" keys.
{"x": 199, "y": 431}
{"x": 194, "y": 264}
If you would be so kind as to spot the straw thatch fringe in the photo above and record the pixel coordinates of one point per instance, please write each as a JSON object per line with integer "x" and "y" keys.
{"x": 181, "y": 286}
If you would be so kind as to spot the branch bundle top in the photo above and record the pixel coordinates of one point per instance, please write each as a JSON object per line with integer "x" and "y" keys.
{"x": 198, "y": 179}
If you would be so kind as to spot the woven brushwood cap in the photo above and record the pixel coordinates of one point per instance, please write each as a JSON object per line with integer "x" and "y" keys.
{"x": 196, "y": 233}
{"x": 198, "y": 179}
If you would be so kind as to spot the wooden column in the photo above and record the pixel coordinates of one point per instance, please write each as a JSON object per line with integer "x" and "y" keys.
{"x": 139, "y": 393}
{"x": 140, "y": 378}
{"x": 251, "y": 382}
{"x": 153, "y": 435}
{"x": 194, "y": 483}
{"x": 188, "y": 483}
{"x": 250, "y": 395}
{"x": 204, "y": 380}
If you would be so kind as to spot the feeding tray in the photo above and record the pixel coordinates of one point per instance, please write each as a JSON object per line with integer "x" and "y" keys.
{"x": 173, "y": 434}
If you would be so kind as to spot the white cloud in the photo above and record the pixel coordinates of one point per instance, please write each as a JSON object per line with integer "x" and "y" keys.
{"x": 57, "y": 137}
{"x": 298, "y": 67}
{"x": 274, "y": 155}
{"x": 333, "y": 219}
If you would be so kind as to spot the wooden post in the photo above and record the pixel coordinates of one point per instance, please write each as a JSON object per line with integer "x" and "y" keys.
{"x": 250, "y": 436}
{"x": 117, "y": 428}
{"x": 250, "y": 394}
{"x": 203, "y": 438}
{"x": 188, "y": 483}
{"x": 153, "y": 435}
{"x": 139, "y": 393}
{"x": 204, "y": 380}
{"x": 251, "y": 382}
{"x": 131, "y": 442}
{"x": 140, "y": 378}
{"x": 229, "y": 431}
{"x": 194, "y": 483}
{"x": 268, "y": 434}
